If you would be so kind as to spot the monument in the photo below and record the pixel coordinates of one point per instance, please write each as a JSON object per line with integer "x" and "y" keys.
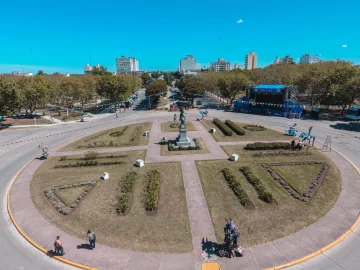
{"x": 182, "y": 140}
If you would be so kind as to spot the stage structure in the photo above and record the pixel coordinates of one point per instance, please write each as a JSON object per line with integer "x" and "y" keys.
{"x": 279, "y": 100}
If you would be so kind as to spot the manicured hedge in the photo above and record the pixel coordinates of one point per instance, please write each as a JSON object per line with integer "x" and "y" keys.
{"x": 264, "y": 195}
{"x": 268, "y": 146}
{"x": 235, "y": 127}
{"x": 224, "y": 128}
{"x": 236, "y": 187}
{"x": 124, "y": 200}
{"x": 118, "y": 133}
{"x": 89, "y": 163}
{"x": 152, "y": 190}
{"x": 254, "y": 128}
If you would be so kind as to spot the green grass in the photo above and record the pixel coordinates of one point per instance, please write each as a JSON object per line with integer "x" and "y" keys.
{"x": 167, "y": 127}
{"x": 105, "y": 140}
{"x": 266, "y": 135}
{"x": 70, "y": 195}
{"x": 168, "y": 231}
{"x": 299, "y": 176}
{"x": 266, "y": 222}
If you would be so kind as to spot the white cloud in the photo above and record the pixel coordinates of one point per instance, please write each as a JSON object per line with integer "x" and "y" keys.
{"x": 240, "y": 21}
{"x": 344, "y": 45}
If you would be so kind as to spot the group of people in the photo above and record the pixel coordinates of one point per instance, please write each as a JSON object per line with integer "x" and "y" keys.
{"x": 59, "y": 249}
{"x": 231, "y": 238}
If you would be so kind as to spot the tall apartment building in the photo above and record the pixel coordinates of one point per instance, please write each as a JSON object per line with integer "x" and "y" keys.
{"x": 287, "y": 59}
{"x": 220, "y": 65}
{"x": 250, "y": 60}
{"x": 311, "y": 59}
{"x": 189, "y": 63}
{"x": 126, "y": 64}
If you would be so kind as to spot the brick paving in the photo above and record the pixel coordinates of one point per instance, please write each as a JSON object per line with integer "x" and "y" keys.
{"x": 327, "y": 229}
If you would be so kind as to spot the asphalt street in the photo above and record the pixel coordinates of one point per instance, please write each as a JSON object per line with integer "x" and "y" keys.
{"x": 17, "y": 147}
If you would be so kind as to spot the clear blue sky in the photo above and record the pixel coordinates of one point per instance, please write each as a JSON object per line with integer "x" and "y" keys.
{"x": 59, "y": 35}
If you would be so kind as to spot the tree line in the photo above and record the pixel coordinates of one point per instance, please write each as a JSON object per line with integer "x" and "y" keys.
{"x": 326, "y": 83}
{"x": 30, "y": 93}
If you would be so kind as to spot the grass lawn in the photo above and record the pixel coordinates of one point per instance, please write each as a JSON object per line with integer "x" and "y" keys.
{"x": 70, "y": 195}
{"x": 103, "y": 138}
{"x": 299, "y": 177}
{"x": 20, "y": 122}
{"x": 165, "y": 152}
{"x": 266, "y": 222}
{"x": 266, "y": 135}
{"x": 167, "y": 231}
{"x": 166, "y": 127}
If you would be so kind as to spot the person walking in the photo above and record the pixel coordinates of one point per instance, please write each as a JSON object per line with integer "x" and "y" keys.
{"x": 59, "y": 249}
{"x": 117, "y": 114}
{"x": 92, "y": 239}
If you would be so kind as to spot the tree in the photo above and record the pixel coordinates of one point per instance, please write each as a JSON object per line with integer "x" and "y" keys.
{"x": 67, "y": 91}
{"x": 146, "y": 79}
{"x": 177, "y": 75}
{"x": 168, "y": 78}
{"x": 155, "y": 90}
{"x": 100, "y": 71}
{"x": 155, "y": 75}
{"x": 84, "y": 89}
{"x": 9, "y": 96}
{"x": 41, "y": 72}
{"x": 232, "y": 84}
{"x": 34, "y": 92}
{"x": 191, "y": 87}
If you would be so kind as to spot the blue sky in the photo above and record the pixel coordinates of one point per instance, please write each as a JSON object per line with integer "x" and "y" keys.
{"x": 59, "y": 36}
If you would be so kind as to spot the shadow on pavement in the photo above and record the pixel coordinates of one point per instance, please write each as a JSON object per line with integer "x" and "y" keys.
{"x": 84, "y": 246}
{"x": 352, "y": 126}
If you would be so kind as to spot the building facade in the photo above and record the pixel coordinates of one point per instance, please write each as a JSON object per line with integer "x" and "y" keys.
{"x": 287, "y": 60}
{"x": 236, "y": 66}
{"x": 26, "y": 74}
{"x": 189, "y": 63}
{"x": 310, "y": 59}
{"x": 88, "y": 69}
{"x": 126, "y": 64}
{"x": 250, "y": 61}
{"x": 220, "y": 65}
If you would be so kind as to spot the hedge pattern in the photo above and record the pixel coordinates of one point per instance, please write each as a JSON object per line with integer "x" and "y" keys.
{"x": 235, "y": 127}
{"x": 66, "y": 158}
{"x": 254, "y": 128}
{"x": 264, "y": 195}
{"x": 136, "y": 134}
{"x": 88, "y": 163}
{"x": 236, "y": 187}
{"x": 152, "y": 190}
{"x": 124, "y": 199}
{"x": 118, "y": 133}
{"x": 224, "y": 128}
{"x": 268, "y": 146}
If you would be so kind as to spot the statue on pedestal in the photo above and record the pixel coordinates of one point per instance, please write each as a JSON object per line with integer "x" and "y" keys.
{"x": 182, "y": 118}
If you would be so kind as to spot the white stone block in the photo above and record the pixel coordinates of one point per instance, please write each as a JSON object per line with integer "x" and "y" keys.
{"x": 234, "y": 157}
{"x": 105, "y": 176}
{"x": 212, "y": 130}
{"x": 146, "y": 133}
{"x": 139, "y": 163}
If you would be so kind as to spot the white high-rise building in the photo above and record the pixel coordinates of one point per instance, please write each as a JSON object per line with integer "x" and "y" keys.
{"x": 220, "y": 65}
{"x": 250, "y": 61}
{"x": 311, "y": 59}
{"x": 126, "y": 64}
{"x": 189, "y": 63}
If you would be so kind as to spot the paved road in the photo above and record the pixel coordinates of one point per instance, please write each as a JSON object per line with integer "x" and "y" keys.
{"x": 16, "y": 253}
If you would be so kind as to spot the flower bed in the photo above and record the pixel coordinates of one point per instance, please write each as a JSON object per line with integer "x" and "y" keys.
{"x": 136, "y": 134}
{"x": 235, "y": 127}
{"x": 118, "y": 133}
{"x": 254, "y": 128}
{"x": 224, "y": 128}
{"x": 236, "y": 187}
{"x": 88, "y": 163}
{"x": 264, "y": 195}
{"x": 197, "y": 146}
{"x": 95, "y": 137}
{"x": 152, "y": 190}
{"x": 124, "y": 199}
{"x": 267, "y": 146}
{"x": 310, "y": 190}
{"x": 50, "y": 194}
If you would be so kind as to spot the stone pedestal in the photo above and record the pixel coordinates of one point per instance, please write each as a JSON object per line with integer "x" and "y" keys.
{"x": 183, "y": 139}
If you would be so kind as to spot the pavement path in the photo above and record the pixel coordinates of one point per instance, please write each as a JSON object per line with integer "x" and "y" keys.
{"x": 15, "y": 256}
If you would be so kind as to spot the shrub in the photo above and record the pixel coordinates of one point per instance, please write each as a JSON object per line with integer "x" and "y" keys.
{"x": 91, "y": 155}
{"x": 236, "y": 187}
{"x": 235, "y": 127}
{"x": 152, "y": 190}
{"x": 174, "y": 125}
{"x": 63, "y": 158}
{"x": 224, "y": 128}
{"x": 267, "y": 146}
{"x": 126, "y": 185}
{"x": 136, "y": 133}
{"x": 254, "y": 128}
{"x": 118, "y": 133}
{"x": 264, "y": 195}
